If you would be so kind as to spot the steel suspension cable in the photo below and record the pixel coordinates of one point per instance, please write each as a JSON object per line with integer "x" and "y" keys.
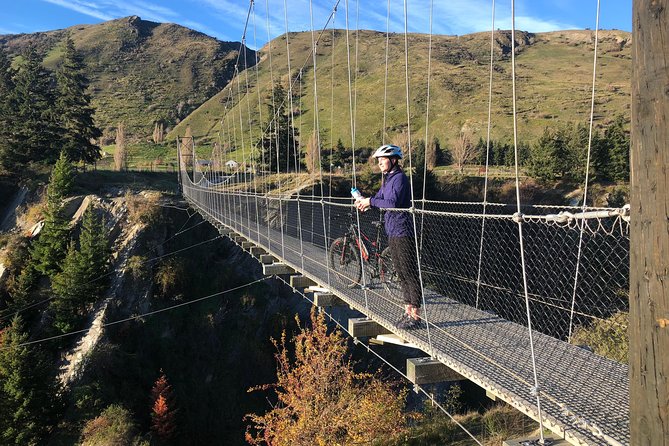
{"x": 352, "y": 110}
{"x": 332, "y": 65}
{"x": 587, "y": 176}
{"x": 332, "y": 126}
{"x": 537, "y": 389}
{"x": 385, "y": 78}
{"x": 276, "y": 132}
{"x": 263, "y": 173}
{"x": 252, "y": 157}
{"x": 139, "y": 316}
{"x": 487, "y": 154}
{"x": 412, "y": 209}
{"x": 244, "y": 164}
{"x": 317, "y": 129}
{"x": 292, "y": 129}
{"x": 427, "y": 129}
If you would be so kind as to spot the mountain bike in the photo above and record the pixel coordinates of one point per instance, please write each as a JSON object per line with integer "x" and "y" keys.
{"x": 346, "y": 251}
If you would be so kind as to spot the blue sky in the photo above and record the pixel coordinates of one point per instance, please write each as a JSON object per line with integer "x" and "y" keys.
{"x": 224, "y": 19}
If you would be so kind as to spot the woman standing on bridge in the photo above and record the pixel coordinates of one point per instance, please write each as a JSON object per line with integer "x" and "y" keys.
{"x": 395, "y": 193}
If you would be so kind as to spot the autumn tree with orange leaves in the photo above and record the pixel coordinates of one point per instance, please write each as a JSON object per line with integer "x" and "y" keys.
{"x": 321, "y": 400}
{"x": 163, "y": 413}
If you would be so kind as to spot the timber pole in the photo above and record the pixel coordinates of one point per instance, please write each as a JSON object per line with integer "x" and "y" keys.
{"x": 649, "y": 230}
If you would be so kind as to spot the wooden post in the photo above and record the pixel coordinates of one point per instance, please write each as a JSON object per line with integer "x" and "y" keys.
{"x": 649, "y": 230}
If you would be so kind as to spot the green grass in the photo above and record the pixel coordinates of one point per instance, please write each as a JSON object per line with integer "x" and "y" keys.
{"x": 554, "y": 72}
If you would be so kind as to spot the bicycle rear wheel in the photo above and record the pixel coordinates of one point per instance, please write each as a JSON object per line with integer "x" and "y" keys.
{"x": 345, "y": 261}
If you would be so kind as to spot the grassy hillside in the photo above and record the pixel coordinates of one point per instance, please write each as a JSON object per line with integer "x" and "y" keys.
{"x": 140, "y": 72}
{"x": 553, "y": 72}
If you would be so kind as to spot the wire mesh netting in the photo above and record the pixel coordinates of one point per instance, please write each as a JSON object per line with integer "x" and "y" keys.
{"x": 467, "y": 258}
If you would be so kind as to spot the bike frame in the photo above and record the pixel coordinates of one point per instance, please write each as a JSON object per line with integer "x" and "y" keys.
{"x": 363, "y": 241}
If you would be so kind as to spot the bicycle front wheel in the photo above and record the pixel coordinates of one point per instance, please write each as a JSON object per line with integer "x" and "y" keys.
{"x": 345, "y": 261}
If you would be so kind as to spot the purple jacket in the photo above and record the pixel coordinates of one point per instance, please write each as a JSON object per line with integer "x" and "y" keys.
{"x": 395, "y": 192}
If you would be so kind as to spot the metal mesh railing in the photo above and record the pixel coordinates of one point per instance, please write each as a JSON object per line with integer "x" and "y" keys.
{"x": 482, "y": 314}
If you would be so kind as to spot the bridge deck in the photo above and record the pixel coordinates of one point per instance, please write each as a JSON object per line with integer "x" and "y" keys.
{"x": 488, "y": 350}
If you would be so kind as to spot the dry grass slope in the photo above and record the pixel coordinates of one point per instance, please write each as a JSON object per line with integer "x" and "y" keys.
{"x": 553, "y": 70}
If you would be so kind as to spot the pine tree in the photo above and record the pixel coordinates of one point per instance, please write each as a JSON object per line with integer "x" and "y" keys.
{"x": 618, "y": 141}
{"x": 35, "y": 137}
{"x": 51, "y": 245}
{"x": 7, "y": 109}
{"x": 338, "y": 153}
{"x": 61, "y": 180}
{"x": 94, "y": 254}
{"x": 217, "y": 160}
{"x": 163, "y": 411}
{"x": 120, "y": 154}
{"x": 73, "y": 108}
{"x": 281, "y": 137}
{"x": 22, "y": 286}
{"x": 70, "y": 289}
{"x": 81, "y": 281}
{"x": 551, "y": 157}
{"x": 27, "y": 389}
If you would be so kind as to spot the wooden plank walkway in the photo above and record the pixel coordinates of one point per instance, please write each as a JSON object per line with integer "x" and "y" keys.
{"x": 584, "y": 397}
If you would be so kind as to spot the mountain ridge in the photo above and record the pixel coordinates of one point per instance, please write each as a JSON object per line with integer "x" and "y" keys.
{"x": 140, "y": 72}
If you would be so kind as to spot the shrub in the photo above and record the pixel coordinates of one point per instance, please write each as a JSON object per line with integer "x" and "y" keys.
{"x": 143, "y": 208}
{"x": 138, "y": 268}
{"x": 114, "y": 426}
{"x": 607, "y": 337}
{"x": 321, "y": 399}
{"x": 503, "y": 421}
{"x": 170, "y": 277}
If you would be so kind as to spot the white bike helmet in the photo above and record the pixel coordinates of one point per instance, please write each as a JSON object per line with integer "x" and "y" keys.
{"x": 388, "y": 150}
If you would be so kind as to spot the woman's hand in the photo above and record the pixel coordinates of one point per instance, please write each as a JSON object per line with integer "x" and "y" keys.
{"x": 363, "y": 204}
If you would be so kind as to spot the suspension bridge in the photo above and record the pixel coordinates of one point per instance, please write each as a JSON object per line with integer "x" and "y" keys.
{"x": 510, "y": 293}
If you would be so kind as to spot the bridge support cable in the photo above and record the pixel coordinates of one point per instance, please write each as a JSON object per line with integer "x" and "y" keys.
{"x": 536, "y": 391}
{"x": 385, "y": 76}
{"x": 352, "y": 103}
{"x": 487, "y": 152}
{"x": 244, "y": 163}
{"x": 428, "y": 143}
{"x": 261, "y": 170}
{"x": 273, "y": 122}
{"x": 292, "y": 128}
{"x": 252, "y": 158}
{"x": 317, "y": 131}
{"x": 587, "y": 171}
{"x": 424, "y": 316}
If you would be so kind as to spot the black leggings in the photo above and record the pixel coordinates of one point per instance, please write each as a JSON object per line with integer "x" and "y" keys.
{"x": 405, "y": 263}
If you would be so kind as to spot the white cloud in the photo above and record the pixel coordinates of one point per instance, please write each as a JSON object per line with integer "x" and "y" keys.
{"x": 111, "y": 9}
{"x": 82, "y": 7}
{"x": 535, "y": 25}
